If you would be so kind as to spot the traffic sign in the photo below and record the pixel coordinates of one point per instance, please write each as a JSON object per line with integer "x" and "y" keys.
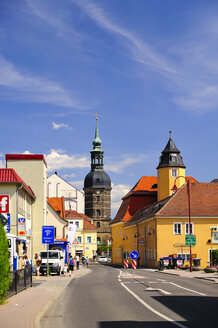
{"x": 75, "y": 242}
{"x": 190, "y": 240}
{"x": 48, "y": 234}
{"x": 134, "y": 255}
{"x": 3, "y": 220}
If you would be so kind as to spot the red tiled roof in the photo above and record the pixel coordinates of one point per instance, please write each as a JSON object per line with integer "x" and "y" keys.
{"x": 87, "y": 221}
{"x": 25, "y": 157}
{"x": 144, "y": 184}
{"x": 57, "y": 203}
{"x": 203, "y": 201}
{"x": 72, "y": 214}
{"x": 88, "y": 226}
{"x": 10, "y": 176}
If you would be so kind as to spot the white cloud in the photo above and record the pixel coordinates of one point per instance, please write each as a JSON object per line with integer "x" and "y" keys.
{"x": 57, "y": 159}
{"x": 27, "y": 152}
{"x": 125, "y": 161}
{"x": 141, "y": 51}
{"x": 118, "y": 191}
{"x": 79, "y": 184}
{"x": 72, "y": 175}
{"x": 57, "y": 126}
{"x": 52, "y": 17}
{"x": 23, "y": 87}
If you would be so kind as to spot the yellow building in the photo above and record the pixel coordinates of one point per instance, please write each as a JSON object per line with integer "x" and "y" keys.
{"x": 159, "y": 229}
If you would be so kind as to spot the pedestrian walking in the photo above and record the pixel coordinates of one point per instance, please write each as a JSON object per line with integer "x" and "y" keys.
{"x": 38, "y": 263}
{"x": 71, "y": 264}
{"x": 87, "y": 261}
{"x": 77, "y": 262}
{"x": 65, "y": 269}
{"x": 83, "y": 260}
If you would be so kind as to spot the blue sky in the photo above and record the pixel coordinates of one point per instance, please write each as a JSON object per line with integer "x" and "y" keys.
{"x": 146, "y": 66}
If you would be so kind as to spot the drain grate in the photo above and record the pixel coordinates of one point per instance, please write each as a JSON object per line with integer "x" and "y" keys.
{"x": 52, "y": 316}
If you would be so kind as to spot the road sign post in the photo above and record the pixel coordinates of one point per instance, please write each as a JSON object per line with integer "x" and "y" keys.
{"x": 190, "y": 240}
{"x": 47, "y": 238}
{"x": 134, "y": 256}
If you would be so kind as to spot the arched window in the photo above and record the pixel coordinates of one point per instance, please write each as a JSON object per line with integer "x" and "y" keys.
{"x": 98, "y": 212}
{"x": 98, "y": 239}
{"x": 98, "y": 224}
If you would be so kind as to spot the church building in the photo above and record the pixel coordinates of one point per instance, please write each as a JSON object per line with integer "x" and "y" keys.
{"x": 97, "y": 189}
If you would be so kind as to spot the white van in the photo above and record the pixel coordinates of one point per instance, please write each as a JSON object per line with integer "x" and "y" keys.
{"x": 16, "y": 247}
{"x": 55, "y": 261}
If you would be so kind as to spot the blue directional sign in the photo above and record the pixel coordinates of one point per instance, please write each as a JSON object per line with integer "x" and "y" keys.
{"x": 8, "y": 227}
{"x": 134, "y": 255}
{"x": 48, "y": 234}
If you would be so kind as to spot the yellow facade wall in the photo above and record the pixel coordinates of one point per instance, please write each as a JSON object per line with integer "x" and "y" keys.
{"x": 147, "y": 243}
{"x": 166, "y": 181}
{"x": 168, "y": 243}
{"x": 117, "y": 242}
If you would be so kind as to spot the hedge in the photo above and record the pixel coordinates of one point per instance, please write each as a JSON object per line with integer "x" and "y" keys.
{"x": 4, "y": 265}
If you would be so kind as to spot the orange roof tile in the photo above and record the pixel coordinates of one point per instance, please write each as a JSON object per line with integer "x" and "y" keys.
{"x": 57, "y": 203}
{"x": 203, "y": 201}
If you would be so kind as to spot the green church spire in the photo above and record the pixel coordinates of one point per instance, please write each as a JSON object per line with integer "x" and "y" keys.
{"x": 97, "y": 153}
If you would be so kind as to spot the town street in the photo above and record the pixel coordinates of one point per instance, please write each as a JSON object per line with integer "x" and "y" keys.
{"x": 110, "y": 298}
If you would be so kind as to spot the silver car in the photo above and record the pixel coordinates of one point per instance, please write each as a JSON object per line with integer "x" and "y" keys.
{"x": 102, "y": 259}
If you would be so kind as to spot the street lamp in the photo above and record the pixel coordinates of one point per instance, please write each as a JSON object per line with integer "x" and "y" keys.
{"x": 189, "y": 211}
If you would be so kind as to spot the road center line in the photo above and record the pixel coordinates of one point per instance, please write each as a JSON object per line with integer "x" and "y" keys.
{"x": 153, "y": 310}
{"x": 191, "y": 290}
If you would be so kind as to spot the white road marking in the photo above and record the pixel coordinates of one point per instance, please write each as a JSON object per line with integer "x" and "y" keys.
{"x": 119, "y": 280}
{"x": 136, "y": 282}
{"x": 152, "y": 282}
{"x": 158, "y": 289}
{"x": 153, "y": 310}
{"x": 161, "y": 279}
{"x": 191, "y": 290}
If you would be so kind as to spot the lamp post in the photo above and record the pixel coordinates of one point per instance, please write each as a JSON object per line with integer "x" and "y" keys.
{"x": 189, "y": 211}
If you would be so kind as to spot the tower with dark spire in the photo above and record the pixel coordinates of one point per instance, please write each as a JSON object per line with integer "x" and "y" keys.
{"x": 170, "y": 167}
{"x": 97, "y": 188}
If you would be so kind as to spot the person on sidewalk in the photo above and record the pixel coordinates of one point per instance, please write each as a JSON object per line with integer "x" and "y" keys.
{"x": 71, "y": 264}
{"x": 77, "y": 262}
{"x": 65, "y": 270}
{"x": 87, "y": 261}
{"x": 83, "y": 260}
{"x": 38, "y": 263}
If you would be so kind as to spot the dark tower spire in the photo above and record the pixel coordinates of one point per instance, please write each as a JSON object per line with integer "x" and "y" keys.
{"x": 97, "y": 153}
{"x": 171, "y": 155}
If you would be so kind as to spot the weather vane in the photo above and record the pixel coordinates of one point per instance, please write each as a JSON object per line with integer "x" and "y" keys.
{"x": 96, "y": 115}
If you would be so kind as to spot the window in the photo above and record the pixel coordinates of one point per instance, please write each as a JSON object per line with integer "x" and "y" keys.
{"x": 98, "y": 198}
{"x": 49, "y": 189}
{"x": 118, "y": 252}
{"x": 155, "y": 254}
{"x": 98, "y": 239}
{"x": 177, "y": 228}
{"x": 148, "y": 230}
{"x": 58, "y": 190}
{"x": 98, "y": 181}
{"x": 98, "y": 212}
{"x": 89, "y": 240}
{"x": 174, "y": 173}
{"x": 117, "y": 232}
{"x": 185, "y": 256}
{"x": 158, "y": 174}
{"x": 77, "y": 224}
{"x": 79, "y": 239}
{"x": 151, "y": 254}
{"x": 173, "y": 158}
{"x": 145, "y": 233}
{"x": 98, "y": 224}
{"x": 148, "y": 253}
{"x": 187, "y": 228}
{"x": 120, "y": 232}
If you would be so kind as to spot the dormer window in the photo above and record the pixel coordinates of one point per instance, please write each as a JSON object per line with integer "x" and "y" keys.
{"x": 98, "y": 181}
{"x": 173, "y": 158}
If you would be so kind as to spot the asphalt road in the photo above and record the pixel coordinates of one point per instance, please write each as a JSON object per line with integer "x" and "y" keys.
{"x": 110, "y": 298}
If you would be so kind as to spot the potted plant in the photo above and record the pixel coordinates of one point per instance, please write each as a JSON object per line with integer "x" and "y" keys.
{"x": 211, "y": 269}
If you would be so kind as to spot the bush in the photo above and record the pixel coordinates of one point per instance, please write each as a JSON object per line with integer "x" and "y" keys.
{"x": 215, "y": 256}
{"x": 4, "y": 265}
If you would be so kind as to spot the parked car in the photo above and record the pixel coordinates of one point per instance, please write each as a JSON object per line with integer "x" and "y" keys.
{"x": 102, "y": 259}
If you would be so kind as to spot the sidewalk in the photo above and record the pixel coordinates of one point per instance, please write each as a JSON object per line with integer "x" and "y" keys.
{"x": 24, "y": 309}
{"x": 193, "y": 274}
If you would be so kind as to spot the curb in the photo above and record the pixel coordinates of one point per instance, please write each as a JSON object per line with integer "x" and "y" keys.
{"x": 171, "y": 274}
{"x": 40, "y": 314}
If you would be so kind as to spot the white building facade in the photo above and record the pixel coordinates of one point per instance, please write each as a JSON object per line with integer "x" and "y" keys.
{"x": 58, "y": 187}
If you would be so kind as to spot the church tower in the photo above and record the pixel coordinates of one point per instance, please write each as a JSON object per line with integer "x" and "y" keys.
{"x": 170, "y": 167}
{"x": 97, "y": 188}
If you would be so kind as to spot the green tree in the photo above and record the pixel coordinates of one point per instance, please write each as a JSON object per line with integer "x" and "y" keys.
{"x": 4, "y": 265}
